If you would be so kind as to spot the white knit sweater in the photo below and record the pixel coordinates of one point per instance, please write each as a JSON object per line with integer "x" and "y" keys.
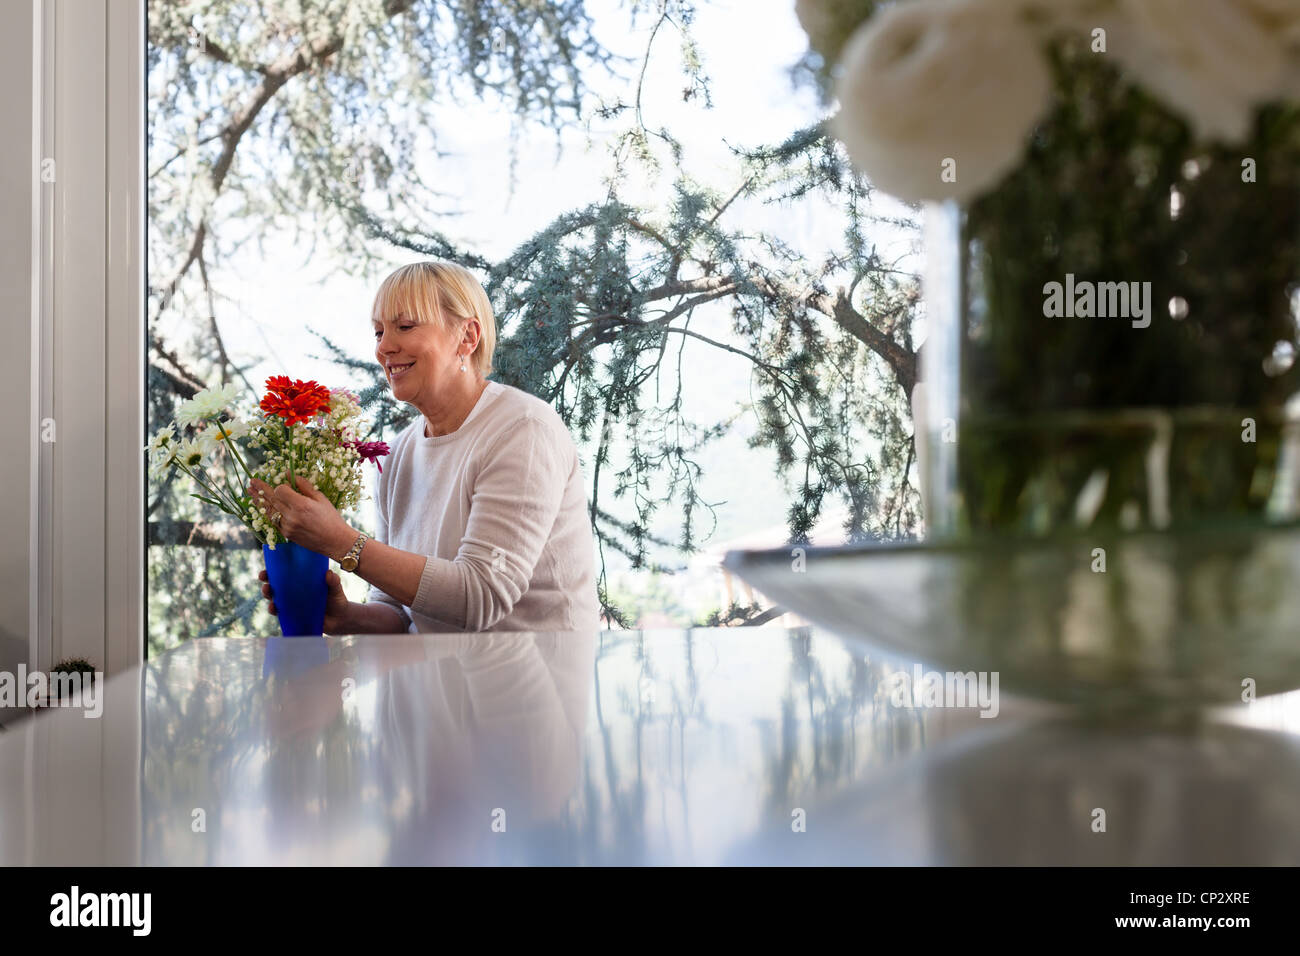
{"x": 500, "y": 511}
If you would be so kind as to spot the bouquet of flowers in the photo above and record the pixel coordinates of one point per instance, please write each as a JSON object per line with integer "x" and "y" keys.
{"x": 304, "y": 430}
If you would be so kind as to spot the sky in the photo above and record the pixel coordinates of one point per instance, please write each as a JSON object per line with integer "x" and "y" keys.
{"x": 746, "y": 48}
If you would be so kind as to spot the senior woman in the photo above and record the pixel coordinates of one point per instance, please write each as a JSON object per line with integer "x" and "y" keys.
{"x": 481, "y": 516}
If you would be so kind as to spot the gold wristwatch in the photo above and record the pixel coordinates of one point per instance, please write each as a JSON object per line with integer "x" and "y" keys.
{"x": 350, "y": 560}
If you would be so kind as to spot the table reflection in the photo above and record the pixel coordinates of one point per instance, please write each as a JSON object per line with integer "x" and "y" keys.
{"x": 557, "y": 748}
{"x": 691, "y": 747}
{"x": 369, "y": 751}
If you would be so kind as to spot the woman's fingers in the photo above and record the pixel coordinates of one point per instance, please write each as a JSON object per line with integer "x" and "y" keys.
{"x": 336, "y": 603}
{"x": 266, "y": 592}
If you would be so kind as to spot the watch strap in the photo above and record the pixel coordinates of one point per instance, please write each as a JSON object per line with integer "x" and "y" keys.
{"x": 354, "y": 553}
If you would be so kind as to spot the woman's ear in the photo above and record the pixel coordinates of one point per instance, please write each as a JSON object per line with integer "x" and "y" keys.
{"x": 472, "y": 332}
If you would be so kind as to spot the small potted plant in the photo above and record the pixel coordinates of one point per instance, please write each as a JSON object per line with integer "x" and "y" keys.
{"x": 69, "y": 665}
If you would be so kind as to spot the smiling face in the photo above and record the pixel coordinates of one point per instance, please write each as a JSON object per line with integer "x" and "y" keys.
{"x": 417, "y": 358}
{"x": 425, "y": 325}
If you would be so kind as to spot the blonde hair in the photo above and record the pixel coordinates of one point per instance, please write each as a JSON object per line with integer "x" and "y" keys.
{"x": 439, "y": 292}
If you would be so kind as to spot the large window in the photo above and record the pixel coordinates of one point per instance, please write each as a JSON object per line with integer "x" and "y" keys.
{"x": 680, "y": 260}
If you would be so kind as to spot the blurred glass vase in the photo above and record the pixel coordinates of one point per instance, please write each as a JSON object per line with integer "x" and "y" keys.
{"x": 1107, "y": 428}
{"x": 1112, "y": 331}
{"x": 1109, "y": 425}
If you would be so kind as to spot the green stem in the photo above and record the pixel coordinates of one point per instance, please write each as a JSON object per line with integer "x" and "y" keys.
{"x": 230, "y": 444}
{"x": 237, "y": 512}
{"x": 235, "y": 451}
{"x": 231, "y": 488}
{"x": 293, "y": 481}
{"x": 213, "y": 490}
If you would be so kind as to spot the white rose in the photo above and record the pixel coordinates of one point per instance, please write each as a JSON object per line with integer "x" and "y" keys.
{"x": 1282, "y": 19}
{"x": 937, "y": 80}
{"x": 1278, "y": 13}
{"x": 1213, "y": 61}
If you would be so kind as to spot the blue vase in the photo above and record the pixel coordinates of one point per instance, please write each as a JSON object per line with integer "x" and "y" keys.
{"x": 298, "y": 588}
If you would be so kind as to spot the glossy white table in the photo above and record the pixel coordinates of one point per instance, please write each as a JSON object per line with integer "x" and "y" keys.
{"x": 692, "y": 747}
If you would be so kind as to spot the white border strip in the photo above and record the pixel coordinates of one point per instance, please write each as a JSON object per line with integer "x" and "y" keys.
{"x": 34, "y": 491}
{"x": 124, "y": 338}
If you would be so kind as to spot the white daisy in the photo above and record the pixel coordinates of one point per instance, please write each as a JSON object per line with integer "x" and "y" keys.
{"x": 208, "y": 403}
{"x": 191, "y": 452}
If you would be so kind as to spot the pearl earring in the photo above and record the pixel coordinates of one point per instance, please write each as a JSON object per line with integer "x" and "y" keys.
{"x": 462, "y": 363}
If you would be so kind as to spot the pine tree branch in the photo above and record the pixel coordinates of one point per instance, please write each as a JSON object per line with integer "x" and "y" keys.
{"x": 200, "y": 534}
{"x": 274, "y": 77}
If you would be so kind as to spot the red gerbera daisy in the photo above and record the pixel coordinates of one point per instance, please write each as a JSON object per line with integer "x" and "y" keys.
{"x": 294, "y": 401}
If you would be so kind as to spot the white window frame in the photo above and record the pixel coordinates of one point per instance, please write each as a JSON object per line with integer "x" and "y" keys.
{"x": 87, "y": 532}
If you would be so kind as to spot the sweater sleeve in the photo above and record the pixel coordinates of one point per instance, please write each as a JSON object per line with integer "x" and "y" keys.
{"x": 381, "y": 534}
{"x": 513, "y": 506}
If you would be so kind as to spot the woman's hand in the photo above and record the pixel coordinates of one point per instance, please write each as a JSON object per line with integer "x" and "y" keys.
{"x": 336, "y": 603}
{"x": 307, "y": 517}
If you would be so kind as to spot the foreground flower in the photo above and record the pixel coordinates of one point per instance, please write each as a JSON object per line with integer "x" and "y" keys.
{"x": 1282, "y": 19}
{"x": 294, "y": 401}
{"x": 1280, "y": 16}
{"x": 829, "y": 23}
{"x": 207, "y": 404}
{"x": 190, "y": 453}
{"x": 211, "y": 439}
{"x": 163, "y": 440}
{"x": 1213, "y": 61}
{"x": 162, "y": 452}
{"x": 934, "y": 81}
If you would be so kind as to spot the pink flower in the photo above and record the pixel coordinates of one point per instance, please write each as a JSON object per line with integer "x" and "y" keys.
{"x": 370, "y": 451}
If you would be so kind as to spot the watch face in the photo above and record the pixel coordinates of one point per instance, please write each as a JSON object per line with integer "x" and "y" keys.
{"x": 349, "y": 564}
